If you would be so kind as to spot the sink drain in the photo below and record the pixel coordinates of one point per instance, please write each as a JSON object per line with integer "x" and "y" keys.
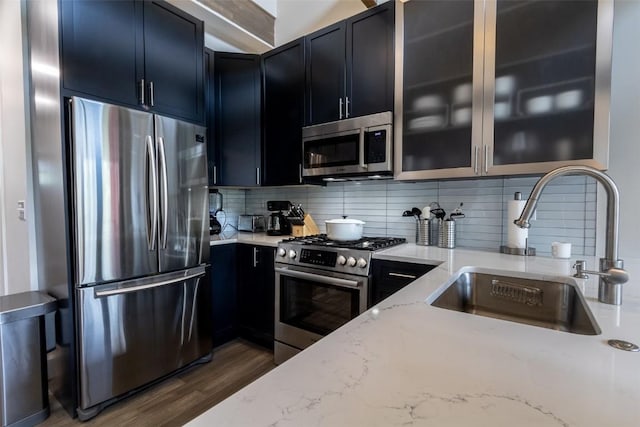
{"x": 623, "y": 345}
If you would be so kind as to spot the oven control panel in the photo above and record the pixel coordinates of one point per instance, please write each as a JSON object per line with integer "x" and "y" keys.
{"x": 335, "y": 259}
{"x": 316, "y": 257}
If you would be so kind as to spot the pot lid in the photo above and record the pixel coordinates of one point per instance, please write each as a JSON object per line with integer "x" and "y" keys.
{"x": 344, "y": 221}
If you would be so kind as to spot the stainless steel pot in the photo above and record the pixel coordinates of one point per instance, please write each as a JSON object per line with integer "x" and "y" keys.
{"x": 344, "y": 229}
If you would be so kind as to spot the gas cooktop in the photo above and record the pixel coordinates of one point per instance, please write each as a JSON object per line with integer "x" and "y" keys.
{"x": 365, "y": 243}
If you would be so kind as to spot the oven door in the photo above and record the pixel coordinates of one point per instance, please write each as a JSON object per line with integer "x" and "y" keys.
{"x": 311, "y": 304}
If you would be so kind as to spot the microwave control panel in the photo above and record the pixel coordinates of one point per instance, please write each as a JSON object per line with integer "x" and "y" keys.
{"x": 375, "y": 146}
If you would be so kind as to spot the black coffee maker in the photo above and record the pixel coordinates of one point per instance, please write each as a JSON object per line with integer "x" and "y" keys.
{"x": 278, "y": 224}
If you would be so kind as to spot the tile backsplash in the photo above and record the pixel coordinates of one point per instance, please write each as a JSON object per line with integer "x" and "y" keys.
{"x": 566, "y": 211}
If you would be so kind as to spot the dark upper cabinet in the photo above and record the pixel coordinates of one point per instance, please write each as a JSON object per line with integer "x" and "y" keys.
{"x": 236, "y": 89}
{"x": 256, "y": 293}
{"x": 174, "y": 42}
{"x": 283, "y": 85}
{"x": 326, "y": 74}
{"x": 370, "y": 61}
{"x": 144, "y": 54}
{"x": 209, "y": 102}
{"x": 350, "y": 67}
{"x": 101, "y": 41}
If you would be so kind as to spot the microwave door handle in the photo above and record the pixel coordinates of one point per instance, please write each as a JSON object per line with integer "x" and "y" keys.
{"x": 363, "y": 165}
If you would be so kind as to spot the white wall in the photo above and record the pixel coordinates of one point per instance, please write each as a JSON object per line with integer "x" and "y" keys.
{"x": 14, "y": 243}
{"x": 624, "y": 166}
{"x": 299, "y": 17}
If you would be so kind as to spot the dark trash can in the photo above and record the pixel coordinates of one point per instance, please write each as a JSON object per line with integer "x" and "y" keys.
{"x": 24, "y": 398}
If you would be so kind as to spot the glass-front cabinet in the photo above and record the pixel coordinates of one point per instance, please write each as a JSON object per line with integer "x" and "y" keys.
{"x": 501, "y": 87}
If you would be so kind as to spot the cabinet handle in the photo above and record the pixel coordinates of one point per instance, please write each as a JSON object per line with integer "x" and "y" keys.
{"x": 151, "y": 94}
{"x": 405, "y": 276}
{"x": 486, "y": 159}
{"x": 258, "y": 176}
{"x": 340, "y": 106}
{"x": 346, "y": 107}
{"x": 475, "y": 160}
{"x": 255, "y": 257}
{"x": 300, "y": 172}
{"x": 215, "y": 174}
{"x": 142, "y": 89}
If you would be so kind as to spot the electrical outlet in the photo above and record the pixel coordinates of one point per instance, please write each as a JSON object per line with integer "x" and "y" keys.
{"x": 21, "y": 211}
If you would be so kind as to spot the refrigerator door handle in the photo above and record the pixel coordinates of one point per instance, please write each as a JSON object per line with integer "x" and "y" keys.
{"x": 152, "y": 205}
{"x": 136, "y": 288}
{"x": 165, "y": 192}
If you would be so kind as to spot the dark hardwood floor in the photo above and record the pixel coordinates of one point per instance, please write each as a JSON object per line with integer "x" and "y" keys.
{"x": 183, "y": 397}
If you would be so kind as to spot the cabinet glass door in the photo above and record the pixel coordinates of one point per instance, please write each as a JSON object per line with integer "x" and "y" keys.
{"x": 541, "y": 106}
{"x": 438, "y": 89}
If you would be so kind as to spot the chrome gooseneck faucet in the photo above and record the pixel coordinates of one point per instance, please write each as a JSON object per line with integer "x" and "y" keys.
{"x": 611, "y": 273}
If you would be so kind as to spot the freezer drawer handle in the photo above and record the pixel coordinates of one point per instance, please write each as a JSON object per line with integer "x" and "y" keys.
{"x": 317, "y": 278}
{"x": 120, "y": 291}
{"x": 404, "y": 276}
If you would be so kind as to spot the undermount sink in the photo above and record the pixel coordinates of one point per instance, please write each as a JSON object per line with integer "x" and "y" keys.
{"x": 555, "y": 304}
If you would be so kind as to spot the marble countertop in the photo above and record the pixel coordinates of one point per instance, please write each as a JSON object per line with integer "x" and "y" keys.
{"x": 246, "y": 237}
{"x": 406, "y": 363}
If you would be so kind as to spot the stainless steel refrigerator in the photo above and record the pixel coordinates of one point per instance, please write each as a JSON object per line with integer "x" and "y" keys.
{"x": 140, "y": 246}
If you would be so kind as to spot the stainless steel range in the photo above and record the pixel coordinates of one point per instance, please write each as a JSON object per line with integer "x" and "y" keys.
{"x": 321, "y": 284}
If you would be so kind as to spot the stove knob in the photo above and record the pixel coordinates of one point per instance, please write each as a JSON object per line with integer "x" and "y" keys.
{"x": 342, "y": 260}
{"x": 292, "y": 254}
{"x": 351, "y": 261}
{"x": 362, "y": 263}
{"x": 282, "y": 252}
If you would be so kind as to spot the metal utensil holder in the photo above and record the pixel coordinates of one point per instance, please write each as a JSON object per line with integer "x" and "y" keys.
{"x": 423, "y": 232}
{"x": 447, "y": 234}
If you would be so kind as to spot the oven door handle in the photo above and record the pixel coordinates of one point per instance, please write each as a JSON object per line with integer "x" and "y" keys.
{"x": 318, "y": 278}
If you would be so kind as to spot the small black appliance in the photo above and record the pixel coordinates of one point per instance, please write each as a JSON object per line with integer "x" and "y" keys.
{"x": 278, "y": 224}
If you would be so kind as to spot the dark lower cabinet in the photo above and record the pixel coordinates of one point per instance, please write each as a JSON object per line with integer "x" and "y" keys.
{"x": 256, "y": 293}
{"x": 283, "y": 114}
{"x": 223, "y": 285}
{"x": 388, "y": 277}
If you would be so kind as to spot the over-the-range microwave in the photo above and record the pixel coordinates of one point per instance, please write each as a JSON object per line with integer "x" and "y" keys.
{"x": 357, "y": 147}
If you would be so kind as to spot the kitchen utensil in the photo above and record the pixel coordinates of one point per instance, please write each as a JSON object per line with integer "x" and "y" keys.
{"x": 416, "y": 212}
{"x": 423, "y": 232}
{"x": 447, "y": 235}
{"x": 344, "y": 229}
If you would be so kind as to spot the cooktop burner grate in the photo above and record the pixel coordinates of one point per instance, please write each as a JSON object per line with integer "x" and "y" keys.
{"x": 366, "y": 243}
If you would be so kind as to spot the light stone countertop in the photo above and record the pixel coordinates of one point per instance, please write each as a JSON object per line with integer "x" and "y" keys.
{"x": 406, "y": 363}
{"x": 246, "y": 237}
